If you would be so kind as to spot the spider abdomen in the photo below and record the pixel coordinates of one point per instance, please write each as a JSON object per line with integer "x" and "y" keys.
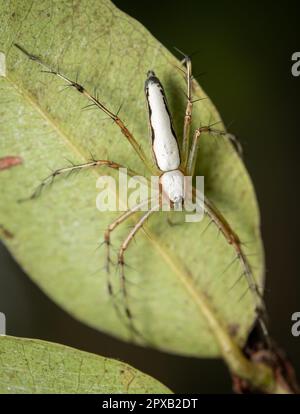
{"x": 164, "y": 141}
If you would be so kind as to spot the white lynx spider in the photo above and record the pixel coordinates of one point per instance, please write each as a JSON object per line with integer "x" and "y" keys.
{"x": 172, "y": 165}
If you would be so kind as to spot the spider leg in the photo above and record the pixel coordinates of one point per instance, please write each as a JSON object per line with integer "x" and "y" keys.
{"x": 107, "y": 241}
{"x": 192, "y": 158}
{"x": 121, "y": 262}
{"x": 76, "y": 167}
{"x": 232, "y": 239}
{"x": 112, "y": 226}
{"x": 188, "y": 112}
{"x": 128, "y": 135}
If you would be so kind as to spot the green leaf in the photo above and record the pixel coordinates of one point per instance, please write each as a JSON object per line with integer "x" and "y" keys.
{"x": 31, "y": 366}
{"x": 176, "y": 273}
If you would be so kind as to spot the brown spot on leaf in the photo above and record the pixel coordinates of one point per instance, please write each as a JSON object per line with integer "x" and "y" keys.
{"x": 9, "y": 161}
{"x": 6, "y": 233}
{"x": 233, "y": 329}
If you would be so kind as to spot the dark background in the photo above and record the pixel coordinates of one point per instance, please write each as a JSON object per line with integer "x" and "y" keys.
{"x": 245, "y": 50}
